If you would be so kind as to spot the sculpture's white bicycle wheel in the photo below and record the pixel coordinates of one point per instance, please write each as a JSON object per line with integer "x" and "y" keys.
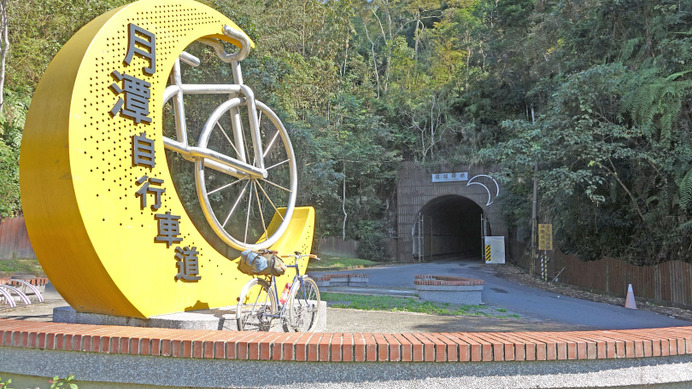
{"x": 240, "y": 206}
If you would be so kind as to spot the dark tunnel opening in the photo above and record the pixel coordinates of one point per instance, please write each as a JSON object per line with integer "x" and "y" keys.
{"x": 448, "y": 226}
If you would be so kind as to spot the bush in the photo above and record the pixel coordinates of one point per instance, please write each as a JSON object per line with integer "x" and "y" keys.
{"x": 374, "y": 241}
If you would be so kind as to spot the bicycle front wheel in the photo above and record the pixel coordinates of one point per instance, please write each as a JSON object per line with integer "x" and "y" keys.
{"x": 256, "y": 306}
{"x": 303, "y": 306}
{"x": 240, "y": 207}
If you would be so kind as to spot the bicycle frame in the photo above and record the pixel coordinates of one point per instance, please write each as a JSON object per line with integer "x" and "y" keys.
{"x": 239, "y": 94}
{"x": 297, "y": 277}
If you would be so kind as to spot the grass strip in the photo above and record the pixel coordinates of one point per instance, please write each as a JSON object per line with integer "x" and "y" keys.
{"x": 9, "y": 267}
{"x": 408, "y": 304}
{"x": 332, "y": 263}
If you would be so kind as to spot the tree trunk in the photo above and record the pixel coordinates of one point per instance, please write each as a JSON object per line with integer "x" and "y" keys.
{"x": 4, "y": 50}
{"x": 343, "y": 205}
{"x": 348, "y": 37}
{"x": 417, "y": 35}
{"x": 374, "y": 59}
{"x": 388, "y": 44}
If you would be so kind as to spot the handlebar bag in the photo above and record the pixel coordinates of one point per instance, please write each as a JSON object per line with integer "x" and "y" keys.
{"x": 252, "y": 263}
{"x": 276, "y": 267}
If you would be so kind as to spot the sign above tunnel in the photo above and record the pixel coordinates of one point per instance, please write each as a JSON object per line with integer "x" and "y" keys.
{"x": 450, "y": 177}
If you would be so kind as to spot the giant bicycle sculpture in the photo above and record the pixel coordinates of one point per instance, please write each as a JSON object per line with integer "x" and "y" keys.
{"x": 106, "y": 221}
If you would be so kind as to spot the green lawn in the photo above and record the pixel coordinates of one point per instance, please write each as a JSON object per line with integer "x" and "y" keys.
{"x": 25, "y": 266}
{"x": 328, "y": 262}
{"x": 408, "y": 304}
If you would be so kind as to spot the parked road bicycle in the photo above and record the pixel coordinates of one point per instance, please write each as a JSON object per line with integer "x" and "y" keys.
{"x": 245, "y": 169}
{"x": 296, "y": 309}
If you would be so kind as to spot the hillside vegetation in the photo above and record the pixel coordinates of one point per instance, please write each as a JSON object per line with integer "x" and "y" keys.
{"x": 591, "y": 97}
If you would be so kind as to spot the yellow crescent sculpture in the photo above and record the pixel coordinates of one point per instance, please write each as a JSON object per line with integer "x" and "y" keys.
{"x": 108, "y": 245}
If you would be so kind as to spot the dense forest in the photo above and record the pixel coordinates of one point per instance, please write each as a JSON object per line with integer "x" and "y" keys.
{"x": 592, "y": 98}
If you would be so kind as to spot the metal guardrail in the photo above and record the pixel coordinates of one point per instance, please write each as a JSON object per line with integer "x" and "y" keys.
{"x": 7, "y": 297}
{"x": 16, "y": 291}
{"x": 7, "y": 291}
{"x": 34, "y": 289}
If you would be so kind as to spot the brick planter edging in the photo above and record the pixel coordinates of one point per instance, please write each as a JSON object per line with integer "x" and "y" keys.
{"x": 448, "y": 289}
{"x": 36, "y": 281}
{"x": 349, "y": 347}
{"x": 429, "y": 279}
{"x": 341, "y": 279}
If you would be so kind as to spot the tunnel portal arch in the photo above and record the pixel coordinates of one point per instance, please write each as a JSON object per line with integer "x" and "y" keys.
{"x": 444, "y": 203}
{"x": 449, "y": 225}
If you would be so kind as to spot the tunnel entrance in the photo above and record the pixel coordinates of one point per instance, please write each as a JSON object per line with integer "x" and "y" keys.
{"x": 449, "y": 226}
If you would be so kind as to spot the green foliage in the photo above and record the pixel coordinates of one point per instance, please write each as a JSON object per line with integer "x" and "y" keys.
{"x": 63, "y": 383}
{"x": 9, "y": 181}
{"x": 605, "y": 170}
{"x": 5, "y": 384}
{"x": 55, "y": 383}
{"x": 374, "y": 241}
{"x": 686, "y": 190}
{"x": 11, "y": 124}
{"x": 596, "y": 92}
{"x": 39, "y": 28}
{"x": 657, "y": 101}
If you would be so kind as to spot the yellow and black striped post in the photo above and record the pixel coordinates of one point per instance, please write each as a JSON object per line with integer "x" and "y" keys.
{"x": 487, "y": 253}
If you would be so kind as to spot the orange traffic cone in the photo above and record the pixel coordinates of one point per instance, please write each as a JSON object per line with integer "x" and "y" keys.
{"x": 629, "y": 301}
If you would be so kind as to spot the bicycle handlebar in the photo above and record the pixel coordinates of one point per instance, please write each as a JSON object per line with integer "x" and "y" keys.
{"x": 235, "y": 35}
{"x": 297, "y": 255}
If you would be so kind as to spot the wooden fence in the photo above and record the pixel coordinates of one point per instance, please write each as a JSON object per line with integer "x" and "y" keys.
{"x": 668, "y": 283}
{"x": 338, "y": 247}
{"x": 14, "y": 240}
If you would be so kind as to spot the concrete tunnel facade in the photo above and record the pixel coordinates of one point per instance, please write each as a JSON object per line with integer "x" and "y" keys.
{"x": 439, "y": 219}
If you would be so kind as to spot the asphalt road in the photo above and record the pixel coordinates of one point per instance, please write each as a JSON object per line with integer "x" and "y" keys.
{"x": 539, "y": 310}
{"x": 534, "y": 305}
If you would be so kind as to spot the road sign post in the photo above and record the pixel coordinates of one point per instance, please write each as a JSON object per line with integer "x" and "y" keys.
{"x": 545, "y": 244}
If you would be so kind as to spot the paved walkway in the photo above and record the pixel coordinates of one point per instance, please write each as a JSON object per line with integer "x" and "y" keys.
{"x": 461, "y": 356}
{"x": 351, "y": 320}
{"x": 539, "y": 309}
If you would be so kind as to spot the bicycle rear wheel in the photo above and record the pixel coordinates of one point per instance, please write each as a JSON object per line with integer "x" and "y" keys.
{"x": 256, "y": 304}
{"x": 239, "y": 207}
{"x": 303, "y": 307}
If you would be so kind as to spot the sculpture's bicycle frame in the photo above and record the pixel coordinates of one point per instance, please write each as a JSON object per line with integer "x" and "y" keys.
{"x": 237, "y": 155}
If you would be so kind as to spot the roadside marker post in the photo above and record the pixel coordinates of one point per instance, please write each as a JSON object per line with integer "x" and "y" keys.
{"x": 545, "y": 244}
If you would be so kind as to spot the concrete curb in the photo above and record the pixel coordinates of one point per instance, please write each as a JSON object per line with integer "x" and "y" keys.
{"x": 210, "y": 319}
{"x": 108, "y": 370}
